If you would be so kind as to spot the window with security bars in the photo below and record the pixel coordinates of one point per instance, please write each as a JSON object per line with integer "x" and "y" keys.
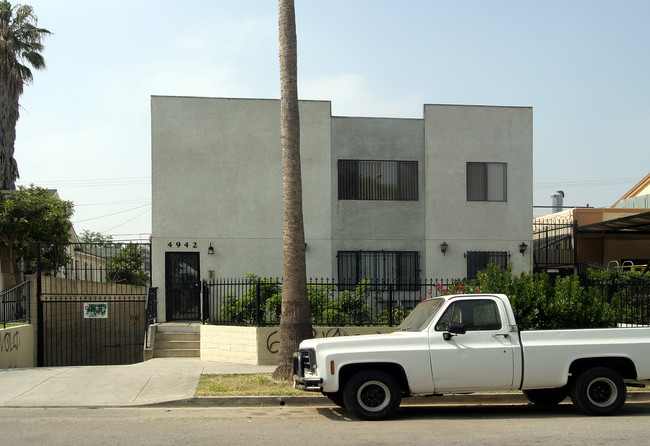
{"x": 378, "y": 180}
{"x": 479, "y": 260}
{"x": 487, "y": 182}
{"x": 401, "y": 268}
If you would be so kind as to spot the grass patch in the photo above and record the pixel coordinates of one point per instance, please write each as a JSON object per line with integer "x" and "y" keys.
{"x": 256, "y": 384}
{"x": 12, "y": 324}
{"x": 262, "y": 384}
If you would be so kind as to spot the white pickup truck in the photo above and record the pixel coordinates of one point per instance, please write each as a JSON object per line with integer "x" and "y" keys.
{"x": 471, "y": 343}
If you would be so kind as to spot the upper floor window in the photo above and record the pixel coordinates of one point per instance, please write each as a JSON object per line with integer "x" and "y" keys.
{"x": 479, "y": 260}
{"x": 487, "y": 182}
{"x": 401, "y": 268}
{"x": 378, "y": 180}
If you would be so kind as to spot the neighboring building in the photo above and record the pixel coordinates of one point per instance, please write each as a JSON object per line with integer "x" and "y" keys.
{"x": 382, "y": 197}
{"x": 617, "y": 237}
{"x": 636, "y": 198}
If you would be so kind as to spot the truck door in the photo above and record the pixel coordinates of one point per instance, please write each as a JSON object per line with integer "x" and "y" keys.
{"x": 480, "y": 359}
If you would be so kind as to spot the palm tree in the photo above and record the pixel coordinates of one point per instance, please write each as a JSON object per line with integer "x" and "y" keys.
{"x": 20, "y": 44}
{"x": 295, "y": 320}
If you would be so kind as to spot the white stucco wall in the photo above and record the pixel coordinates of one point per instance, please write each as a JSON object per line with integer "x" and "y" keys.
{"x": 217, "y": 180}
{"x": 454, "y": 136}
{"x": 376, "y": 225}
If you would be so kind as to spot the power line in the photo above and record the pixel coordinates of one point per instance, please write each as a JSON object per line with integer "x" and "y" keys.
{"x": 114, "y": 213}
{"x": 113, "y": 203}
{"x": 91, "y": 182}
{"x": 588, "y": 183}
{"x": 121, "y": 224}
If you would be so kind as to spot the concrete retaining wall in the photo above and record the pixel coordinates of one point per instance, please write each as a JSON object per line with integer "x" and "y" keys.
{"x": 17, "y": 347}
{"x": 259, "y": 345}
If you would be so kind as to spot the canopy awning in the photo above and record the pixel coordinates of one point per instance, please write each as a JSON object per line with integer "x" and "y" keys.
{"x": 639, "y": 223}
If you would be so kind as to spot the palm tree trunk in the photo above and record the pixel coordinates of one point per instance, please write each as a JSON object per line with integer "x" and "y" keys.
{"x": 295, "y": 321}
{"x": 8, "y": 167}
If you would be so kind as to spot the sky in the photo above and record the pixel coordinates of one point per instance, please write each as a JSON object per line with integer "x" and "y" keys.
{"x": 582, "y": 66}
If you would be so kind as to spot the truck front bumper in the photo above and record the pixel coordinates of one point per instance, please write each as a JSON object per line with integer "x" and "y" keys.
{"x": 304, "y": 366}
{"x": 308, "y": 384}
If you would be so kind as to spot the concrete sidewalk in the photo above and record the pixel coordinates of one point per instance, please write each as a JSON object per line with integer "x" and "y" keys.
{"x": 171, "y": 382}
{"x": 159, "y": 380}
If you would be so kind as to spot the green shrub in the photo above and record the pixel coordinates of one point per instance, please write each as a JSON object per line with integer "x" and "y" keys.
{"x": 319, "y": 299}
{"x": 383, "y": 317}
{"x": 539, "y": 305}
{"x": 572, "y": 306}
{"x": 243, "y": 310}
{"x": 349, "y": 309}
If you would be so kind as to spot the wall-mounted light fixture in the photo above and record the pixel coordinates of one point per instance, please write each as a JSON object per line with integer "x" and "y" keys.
{"x": 443, "y": 248}
{"x": 210, "y": 249}
{"x": 522, "y": 248}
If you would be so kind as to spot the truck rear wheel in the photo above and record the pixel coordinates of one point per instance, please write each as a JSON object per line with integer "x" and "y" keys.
{"x": 599, "y": 391}
{"x": 546, "y": 397}
{"x": 372, "y": 395}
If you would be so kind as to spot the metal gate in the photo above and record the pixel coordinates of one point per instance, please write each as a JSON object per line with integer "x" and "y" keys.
{"x": 555, "y": 246}
{"x": 91, "y": 303}
{"x": 182, "y": 286}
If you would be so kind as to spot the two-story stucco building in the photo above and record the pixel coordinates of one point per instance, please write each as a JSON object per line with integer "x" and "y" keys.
{"x": 384, "y": 199}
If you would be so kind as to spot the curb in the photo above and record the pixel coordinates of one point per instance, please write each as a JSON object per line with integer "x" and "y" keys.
{"x": 321, "y": 401}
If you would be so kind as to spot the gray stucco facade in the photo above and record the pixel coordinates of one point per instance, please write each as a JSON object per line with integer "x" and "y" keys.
{"x": 217, "y": 173}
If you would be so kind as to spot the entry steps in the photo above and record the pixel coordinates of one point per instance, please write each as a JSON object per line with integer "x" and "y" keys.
{"x": 178, "y": 339}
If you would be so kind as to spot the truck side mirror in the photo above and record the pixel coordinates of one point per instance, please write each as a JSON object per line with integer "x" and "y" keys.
{"x": 457, "y": 328}
{"x": 454, "y": 329}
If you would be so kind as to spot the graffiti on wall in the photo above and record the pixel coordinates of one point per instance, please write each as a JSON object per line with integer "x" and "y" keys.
{"x": 10, "y": 341}
{"x": 273, "y": 339}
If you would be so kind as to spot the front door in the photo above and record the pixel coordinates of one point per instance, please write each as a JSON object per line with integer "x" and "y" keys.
{"x": 182, "y": 286}
{"x": 482, "y": 358}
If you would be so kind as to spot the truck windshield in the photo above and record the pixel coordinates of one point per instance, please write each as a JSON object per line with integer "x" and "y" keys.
{"x": 421, "y": 315}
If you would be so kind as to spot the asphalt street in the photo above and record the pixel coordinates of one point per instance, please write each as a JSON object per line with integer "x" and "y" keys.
{"x": 414, "y": 425}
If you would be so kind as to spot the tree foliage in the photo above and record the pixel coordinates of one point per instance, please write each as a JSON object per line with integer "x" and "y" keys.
{"x": 31, "y": 215}
{"x": 20, "y": 47}
{"x": 95, "y": 238}
{"x": 128, "y": 266}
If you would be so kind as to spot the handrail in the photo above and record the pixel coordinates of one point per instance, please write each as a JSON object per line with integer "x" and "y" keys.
{"x": 16, "y": 309}
{"x": 151, "y": 313}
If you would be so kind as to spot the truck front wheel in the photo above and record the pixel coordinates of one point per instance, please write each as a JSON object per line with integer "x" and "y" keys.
{"x": 336, "y": 398}
{"x": 598, "y": 391}
{"x": 372, "y": 395}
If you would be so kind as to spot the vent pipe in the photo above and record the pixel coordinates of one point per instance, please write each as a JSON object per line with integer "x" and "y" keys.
{"x": 558, "y": 201}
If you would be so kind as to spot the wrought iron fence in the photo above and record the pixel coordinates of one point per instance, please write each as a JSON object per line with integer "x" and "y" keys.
{"x": 14, "y": 304}
{"x": 631, "y": 292}
{"x": 119, "y": 263}
{"x": 257, "y": 301}
{"x": 554, "y": 244}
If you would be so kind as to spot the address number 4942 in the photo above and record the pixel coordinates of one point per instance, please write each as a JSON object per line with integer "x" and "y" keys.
{"x": 180, "y": 244}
